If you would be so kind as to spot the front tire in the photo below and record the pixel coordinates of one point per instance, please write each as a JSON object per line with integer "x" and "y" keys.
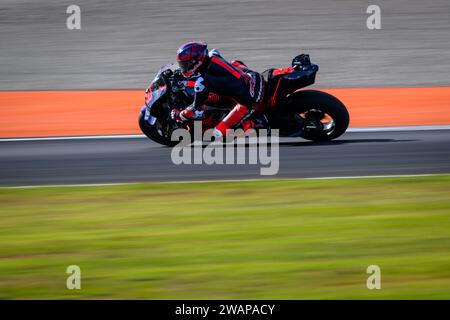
{"x": 313, "y": 108}
{"x": 152, "y": 132}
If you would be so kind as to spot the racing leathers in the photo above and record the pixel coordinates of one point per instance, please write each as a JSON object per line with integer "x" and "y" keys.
{"x": 233, "y": 81}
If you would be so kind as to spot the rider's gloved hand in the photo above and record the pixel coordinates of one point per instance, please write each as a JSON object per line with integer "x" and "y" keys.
{"x": 175, "y": 114}
{"x": 189, "y": 113}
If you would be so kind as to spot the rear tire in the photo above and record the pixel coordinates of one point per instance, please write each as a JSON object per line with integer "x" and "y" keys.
{"x": 306, "y": 100}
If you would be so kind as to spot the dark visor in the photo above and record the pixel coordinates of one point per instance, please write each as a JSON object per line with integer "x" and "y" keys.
{"x": 186, "y": 65}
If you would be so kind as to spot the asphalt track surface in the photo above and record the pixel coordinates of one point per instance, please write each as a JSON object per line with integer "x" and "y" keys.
{"x": 24, "y": 163}
{"x": 122, "y": 44}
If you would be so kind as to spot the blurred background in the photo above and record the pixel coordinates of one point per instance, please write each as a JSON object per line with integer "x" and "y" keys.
{"x": 121, "y": 44}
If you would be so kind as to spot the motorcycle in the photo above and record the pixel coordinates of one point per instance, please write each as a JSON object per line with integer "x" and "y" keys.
{"x": 309, "y": 114}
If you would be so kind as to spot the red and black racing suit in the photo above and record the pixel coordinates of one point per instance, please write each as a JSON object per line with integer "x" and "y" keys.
{"x": 233, "y": 81}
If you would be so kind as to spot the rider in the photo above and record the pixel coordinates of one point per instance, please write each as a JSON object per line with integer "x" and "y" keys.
{"x": 215, "y": 75}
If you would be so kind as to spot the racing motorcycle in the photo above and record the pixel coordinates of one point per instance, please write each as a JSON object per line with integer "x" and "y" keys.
{"x": 310, "y": 114}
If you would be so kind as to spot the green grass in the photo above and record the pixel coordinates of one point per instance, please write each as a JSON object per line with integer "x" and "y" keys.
{"x": 233, "y": 240}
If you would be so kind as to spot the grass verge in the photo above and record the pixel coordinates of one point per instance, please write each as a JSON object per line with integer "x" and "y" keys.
{"x": 233, "y": 240}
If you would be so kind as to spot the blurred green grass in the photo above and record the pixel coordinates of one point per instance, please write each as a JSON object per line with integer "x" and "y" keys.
{"x": 276, "y": 239}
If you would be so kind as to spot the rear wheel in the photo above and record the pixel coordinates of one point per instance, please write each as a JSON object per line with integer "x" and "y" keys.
{"x": 320, "y": 116}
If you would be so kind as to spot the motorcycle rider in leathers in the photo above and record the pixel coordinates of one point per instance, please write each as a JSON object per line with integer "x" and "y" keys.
{"x": 214, "y": 75}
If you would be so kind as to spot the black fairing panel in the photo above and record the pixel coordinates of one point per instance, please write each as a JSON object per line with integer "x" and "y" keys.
{"x": 279, "y": 86}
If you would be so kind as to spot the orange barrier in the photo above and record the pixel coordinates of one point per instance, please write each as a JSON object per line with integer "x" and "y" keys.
{"x": 396, "y": 106}
{"x": 74, "y": 113}
{"x": 69, "y": 113}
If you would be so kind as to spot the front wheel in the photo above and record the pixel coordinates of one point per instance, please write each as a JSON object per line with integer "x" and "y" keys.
{"x": 154, "y": 132}
{"x": 320, "y": 116}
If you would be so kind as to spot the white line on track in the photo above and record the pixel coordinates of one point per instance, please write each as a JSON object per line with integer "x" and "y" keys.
{"x": 141, "y": 136}
{"x": 399, "y": 128}
{"x": 117, "y": 136}
{"x": 225, "y": 180}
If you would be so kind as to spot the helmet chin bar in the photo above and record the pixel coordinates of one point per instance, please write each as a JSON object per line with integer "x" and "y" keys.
{"x": 193, "y": 70}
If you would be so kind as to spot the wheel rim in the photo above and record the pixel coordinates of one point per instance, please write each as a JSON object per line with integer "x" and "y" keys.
{"x": 317, "y": 123}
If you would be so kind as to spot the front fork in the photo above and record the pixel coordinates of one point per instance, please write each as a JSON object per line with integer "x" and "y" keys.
{"x": 151, "y": 120}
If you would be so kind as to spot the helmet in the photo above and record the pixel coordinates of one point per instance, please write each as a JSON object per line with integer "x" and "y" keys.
{"x": 190, "y": 57}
